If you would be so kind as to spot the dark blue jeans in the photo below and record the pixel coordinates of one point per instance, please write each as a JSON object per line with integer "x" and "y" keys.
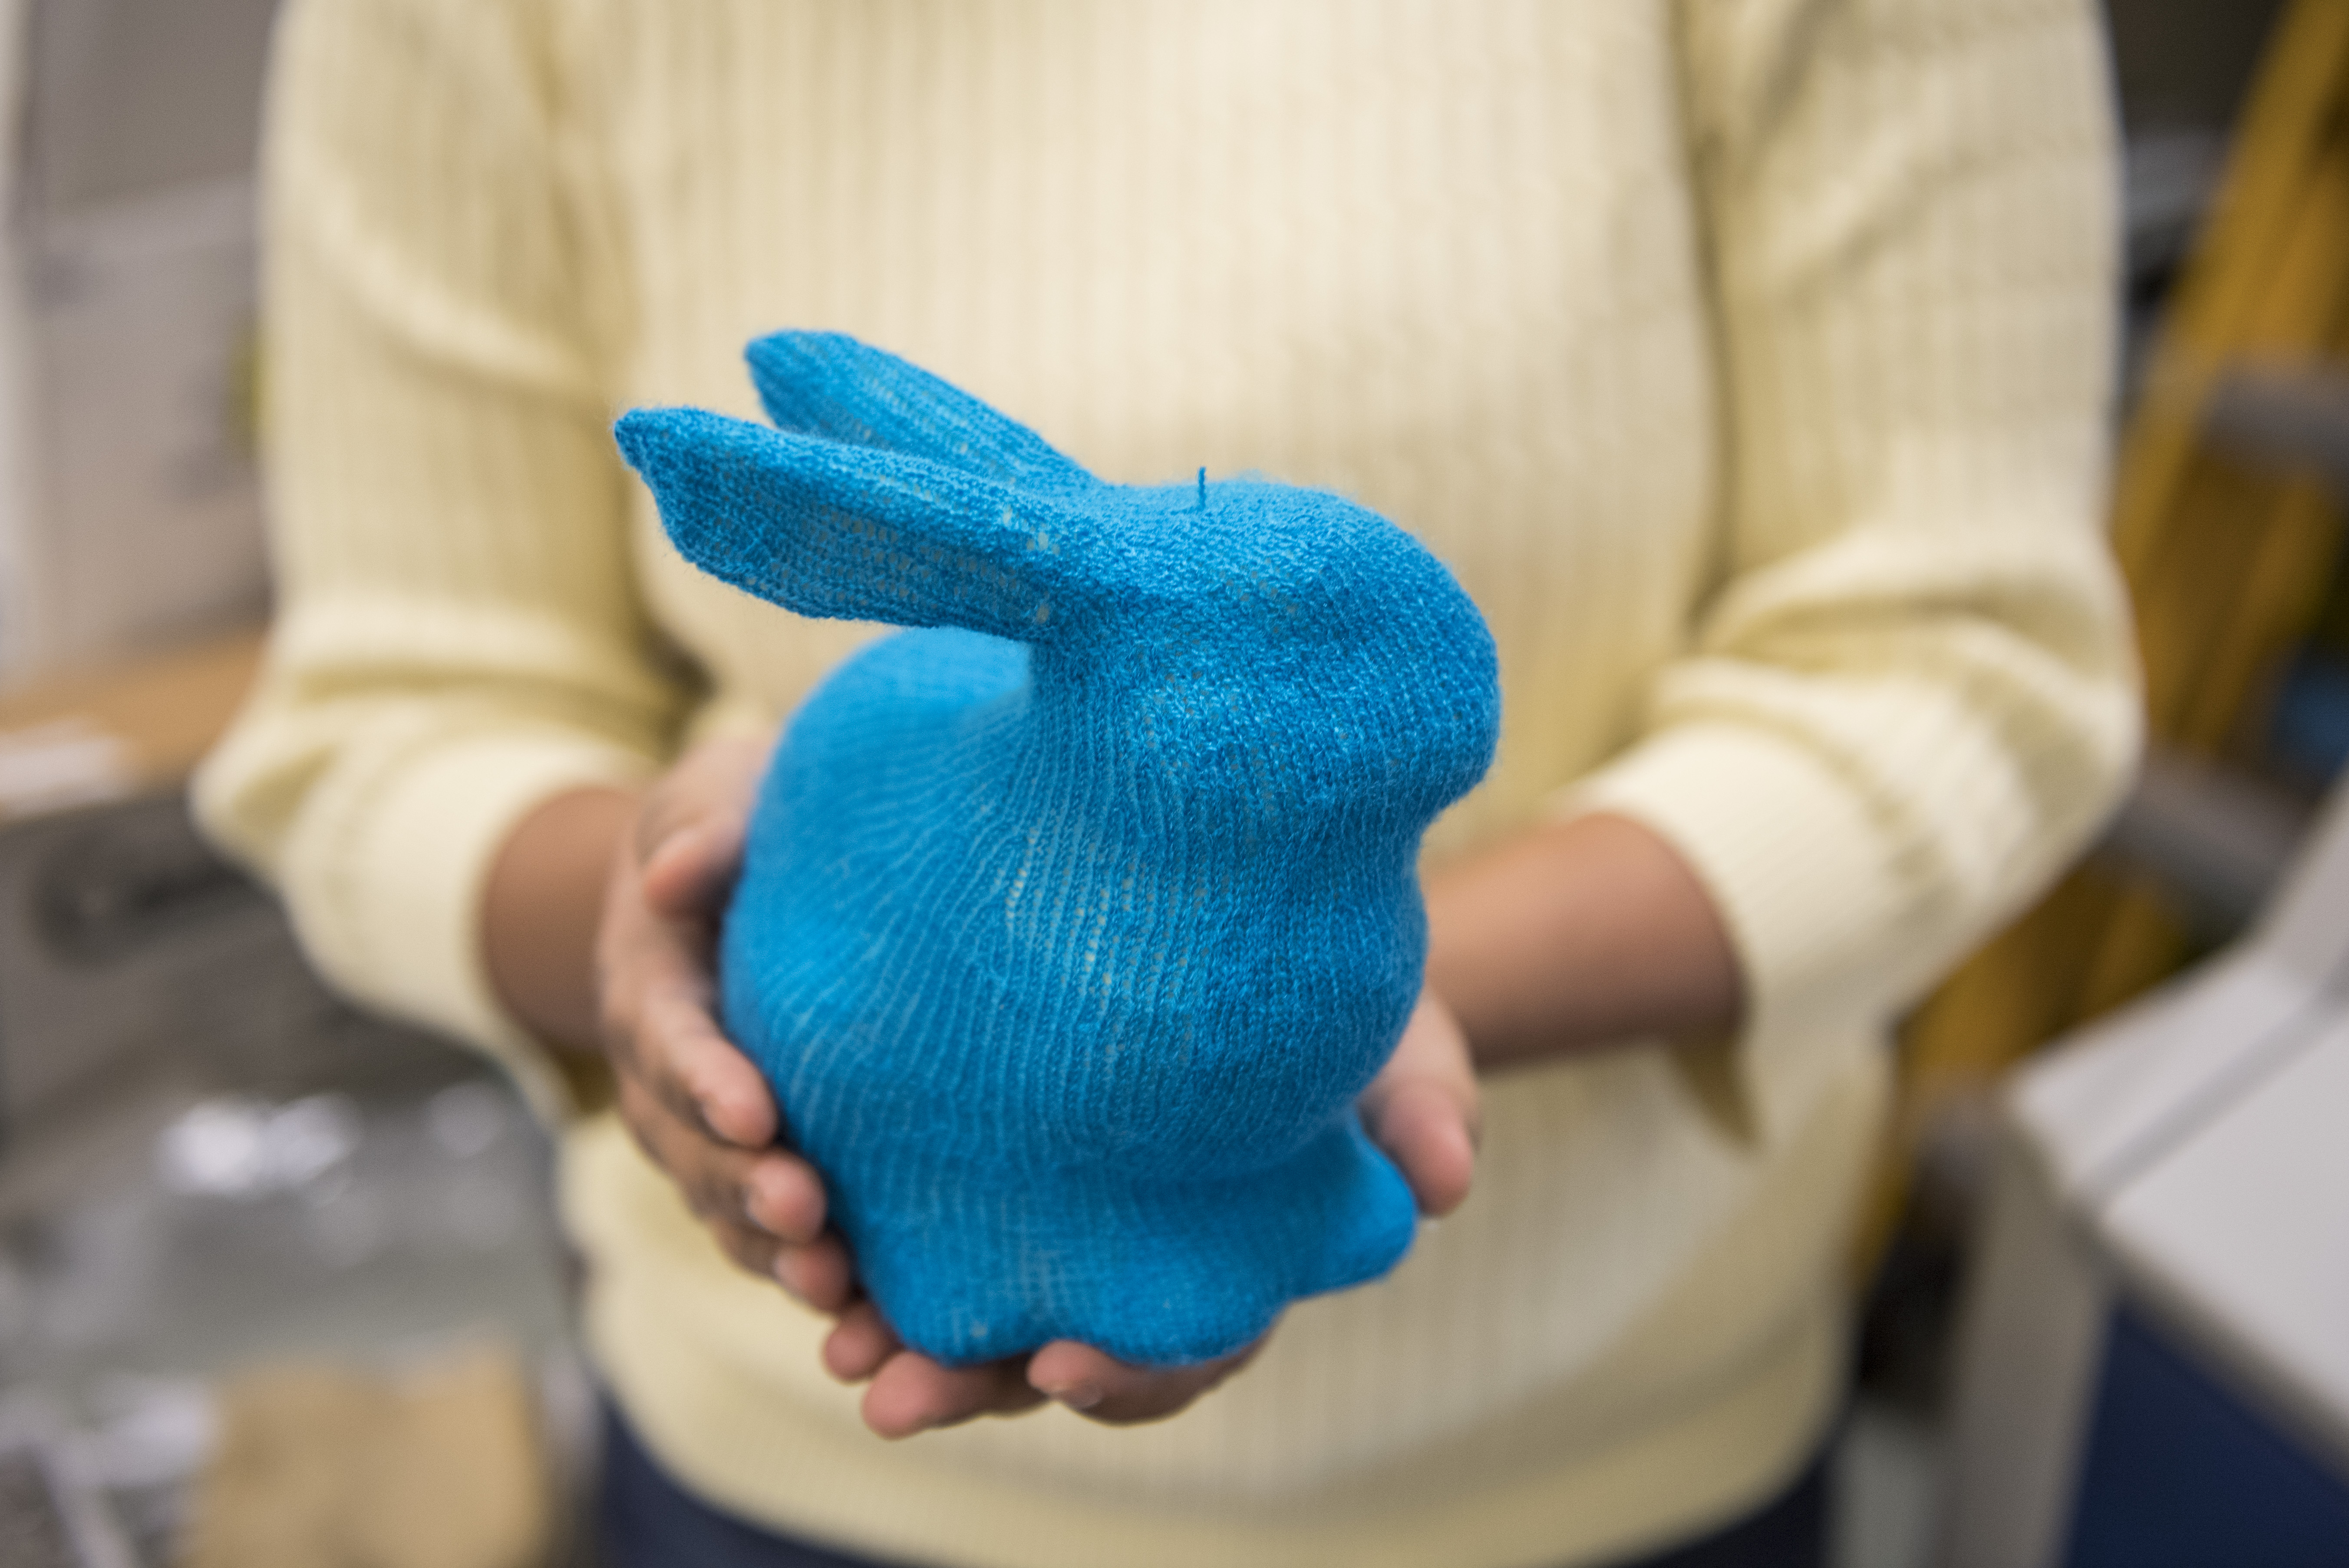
{"x": 650, "y": 1522}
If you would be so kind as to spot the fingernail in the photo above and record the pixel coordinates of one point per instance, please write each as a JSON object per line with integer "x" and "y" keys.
{"x": 1077, "y": 1395}
{"x": 785, "y": 1273}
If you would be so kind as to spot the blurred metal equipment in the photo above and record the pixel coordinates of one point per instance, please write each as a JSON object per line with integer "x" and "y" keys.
{"x": 2219, "y": 840}
{"x": 217, "y": 1179}
{"x": 129, "y": 508}
{"x": 2153, "y": 1369}
{"x": 123, "y": 939}
{"x": 2290, "y": 415}
{"x": 209, "y": 1164}
{"x": 49, "y": 1516}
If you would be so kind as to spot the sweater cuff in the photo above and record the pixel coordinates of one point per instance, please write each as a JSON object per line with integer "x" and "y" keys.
{"x": 393, "y": 914}
{"x": 1799, "y": 870}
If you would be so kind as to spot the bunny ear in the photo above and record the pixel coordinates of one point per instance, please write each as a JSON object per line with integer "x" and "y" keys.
{"x": 828, "y": 384}
{"x": 852, "y": 534}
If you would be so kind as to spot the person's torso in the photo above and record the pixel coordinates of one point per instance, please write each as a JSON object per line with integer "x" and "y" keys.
{"x": 1445, "y": 260}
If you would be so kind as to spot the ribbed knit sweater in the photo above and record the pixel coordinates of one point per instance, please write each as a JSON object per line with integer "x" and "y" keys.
{"x": 1746, "y": 363}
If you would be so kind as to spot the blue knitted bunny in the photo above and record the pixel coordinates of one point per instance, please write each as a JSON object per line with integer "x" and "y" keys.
{"x": 1069, "y": 932}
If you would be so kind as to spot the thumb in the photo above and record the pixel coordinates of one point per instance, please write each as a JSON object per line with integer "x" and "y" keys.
{"x": 1424, "y": 1109}
{"x": 691, "y": 827}
{"x": 690, "y": 870}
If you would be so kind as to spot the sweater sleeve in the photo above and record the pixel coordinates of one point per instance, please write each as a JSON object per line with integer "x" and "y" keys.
{"x": 458, "y": 636}
{"x": 1912, "y": 696}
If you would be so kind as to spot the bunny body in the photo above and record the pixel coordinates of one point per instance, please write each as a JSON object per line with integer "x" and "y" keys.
{"x": 1069, "y": 932}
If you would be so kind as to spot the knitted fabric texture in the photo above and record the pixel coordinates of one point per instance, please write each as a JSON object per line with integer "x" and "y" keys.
{"x": 1070, "y": 929}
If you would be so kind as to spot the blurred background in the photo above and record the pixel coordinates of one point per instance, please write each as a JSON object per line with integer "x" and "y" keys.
{"x": 235, "y": 1215}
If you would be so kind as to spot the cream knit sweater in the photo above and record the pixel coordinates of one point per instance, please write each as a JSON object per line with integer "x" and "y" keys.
{"x": 1747, "y": 359}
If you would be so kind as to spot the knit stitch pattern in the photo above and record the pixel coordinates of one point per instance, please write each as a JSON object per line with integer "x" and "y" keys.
{"x": 1070, "y": 927}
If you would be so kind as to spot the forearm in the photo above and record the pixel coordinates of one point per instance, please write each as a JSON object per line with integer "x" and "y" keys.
{"x": 1575, "y": 935}
{"x": 541, "y": 908}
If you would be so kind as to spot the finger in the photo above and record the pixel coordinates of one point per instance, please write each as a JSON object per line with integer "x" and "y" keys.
{"x": 751, "y": 1249}
{"x": 912, "y": 1393}
{"x": 1424, "y": 1130}
{"x": 694, "y": 817}
{"x": 769, "y": 1191}
{"x": 766, "y": 1210}
{"x": 643, "y": 960}
{"x": 661, "y": 1138}
{"x": 1424, "y": 1109}
{"x": 819, "y": 1273}
{"x": 702, "y": 1076}
{"x": 860, "y": 1344}
{"x": 1103, "y": 1389}
{"x": 689, "y": 871}
{"x": 658, "y": 1025}
{"x": 711, "y": 1183}
{"x": 782, "y": 1194}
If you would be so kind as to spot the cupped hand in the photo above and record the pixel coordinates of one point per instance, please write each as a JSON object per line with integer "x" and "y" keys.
{"x": 695, "y": 1103}
{"x": 1422, "y": 1110}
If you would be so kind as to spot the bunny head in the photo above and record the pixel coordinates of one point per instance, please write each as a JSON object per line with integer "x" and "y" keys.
{"x": 1068, "y": 946}
{"x": 1224, "y": 613}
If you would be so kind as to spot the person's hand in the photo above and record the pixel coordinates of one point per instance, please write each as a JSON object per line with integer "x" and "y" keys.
{"x": 695, "y": 1103}
{"x": 1421, "y": 1109}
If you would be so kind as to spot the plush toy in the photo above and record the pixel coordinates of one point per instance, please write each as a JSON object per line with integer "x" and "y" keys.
{"x": 1069, "y": 931}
